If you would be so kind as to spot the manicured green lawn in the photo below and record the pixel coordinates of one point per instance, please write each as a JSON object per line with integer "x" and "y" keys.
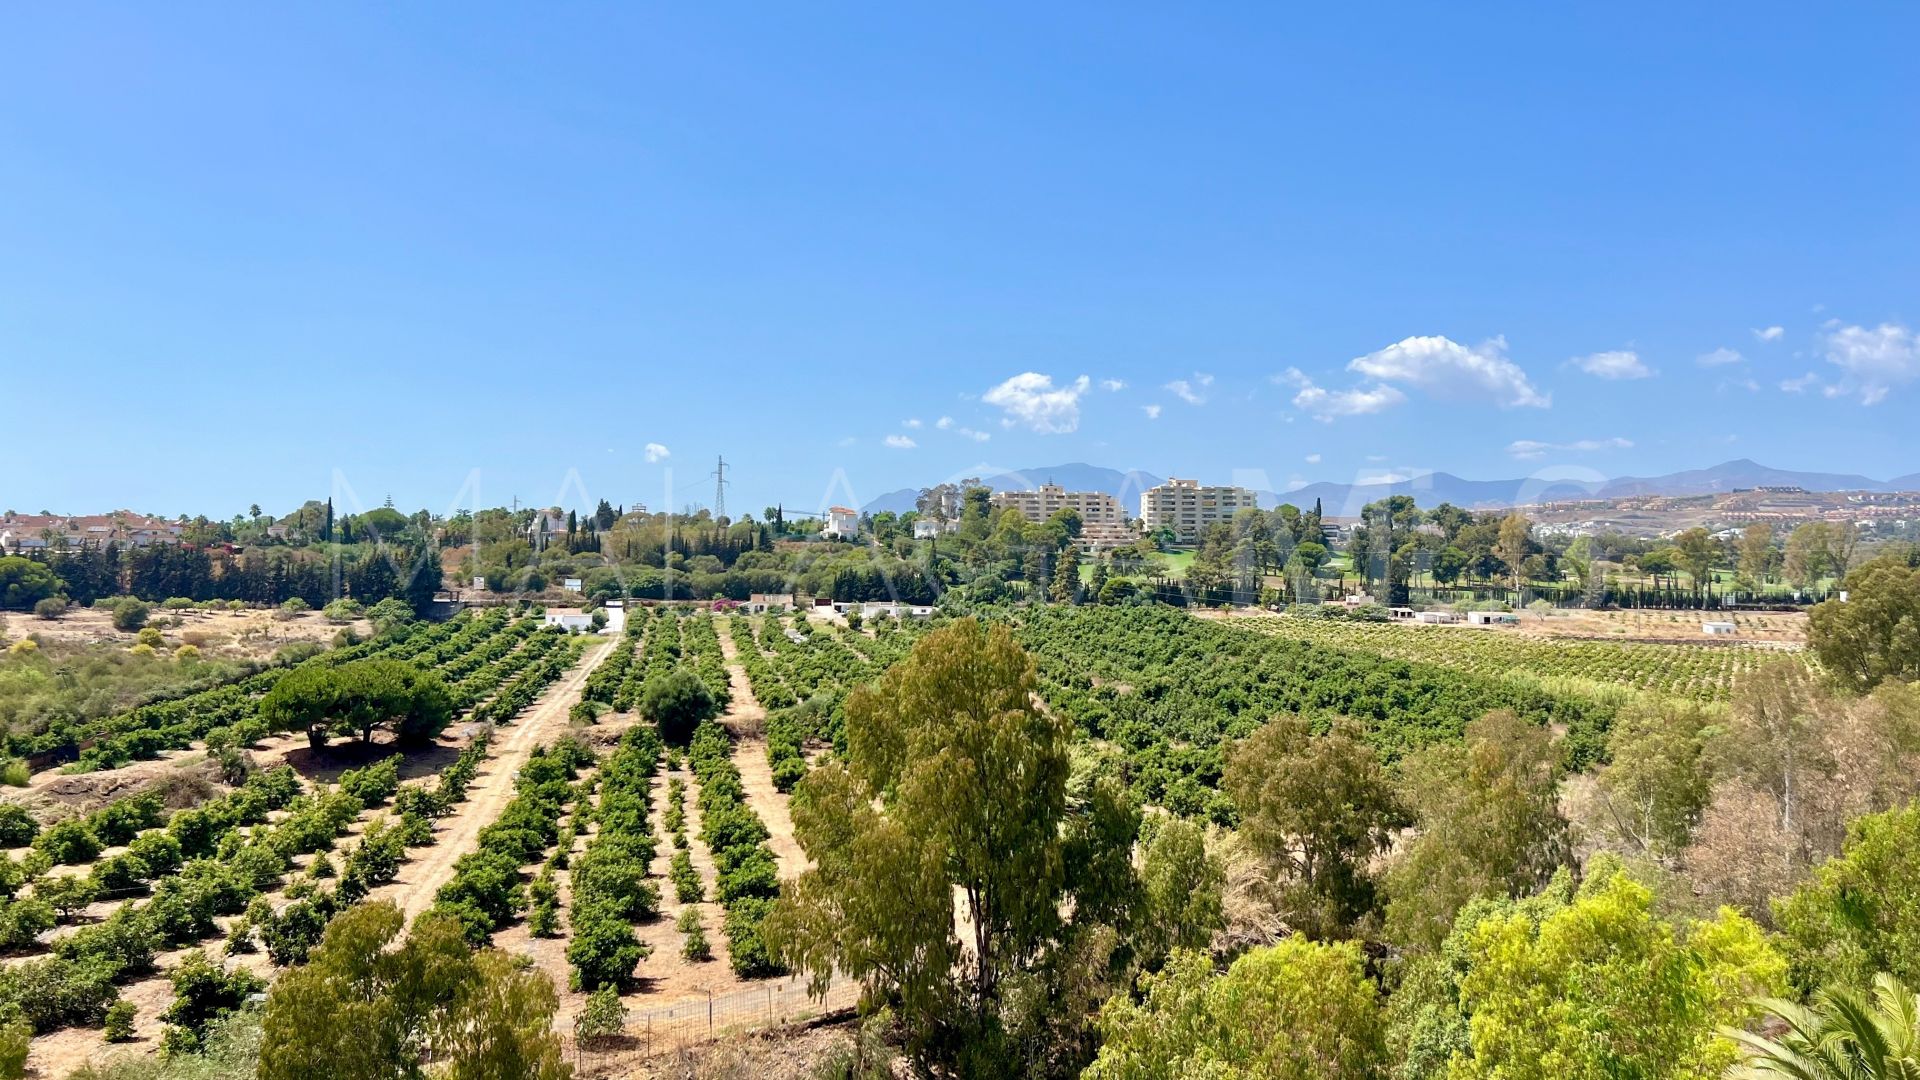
{"x": 1177, "y": 562}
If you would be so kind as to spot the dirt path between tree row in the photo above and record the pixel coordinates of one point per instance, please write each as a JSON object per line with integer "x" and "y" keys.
{"x": 57, "y": 1053}
{"x": 490, "y": 792}
{"x": 748, "y": 721}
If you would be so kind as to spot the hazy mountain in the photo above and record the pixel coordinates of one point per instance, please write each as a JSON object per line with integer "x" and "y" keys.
{"x": 1428, "y": 489}
{"x": 1736, "y": 474}
{"x": 1432, "y": 489}
{"x": 1074, "y": 476}
{"x": 1079, "y": 476}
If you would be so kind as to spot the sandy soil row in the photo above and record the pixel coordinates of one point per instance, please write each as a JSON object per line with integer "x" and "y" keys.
{"x": 492, "y": 789}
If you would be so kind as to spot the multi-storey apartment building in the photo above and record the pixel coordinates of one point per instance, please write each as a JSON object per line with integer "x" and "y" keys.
{"x": 1103, "y": 524}
{"x": 1188, "y": 507}
{"x": 1094, "y": 507}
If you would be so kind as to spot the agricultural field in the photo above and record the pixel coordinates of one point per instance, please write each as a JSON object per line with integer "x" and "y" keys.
{"x": 632, "y": 870}
{"x": 1574, "y": 664}
{"x": 1782, "y": 629}
{"x": 1159, "y": 692}
{"x": 472, "y": 652}
{"x": 800, "y": 670}
{"x": 127, "y": 889}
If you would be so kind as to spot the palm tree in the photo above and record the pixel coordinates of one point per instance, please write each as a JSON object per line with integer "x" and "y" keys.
{"x": 1843, "y": 1036}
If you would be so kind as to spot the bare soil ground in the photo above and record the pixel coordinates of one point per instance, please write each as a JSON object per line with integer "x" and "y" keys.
{"x": 748, "y": 721}
{"x": 52, "y": 794}
{"x": 251, "y": 634}
{"x": 789, "y": 1053}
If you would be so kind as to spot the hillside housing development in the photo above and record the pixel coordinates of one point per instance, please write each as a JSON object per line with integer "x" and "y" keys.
{"x": 35, "y": 532}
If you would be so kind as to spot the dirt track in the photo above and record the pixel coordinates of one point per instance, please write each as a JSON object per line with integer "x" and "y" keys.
{"x": 459, "y": 834}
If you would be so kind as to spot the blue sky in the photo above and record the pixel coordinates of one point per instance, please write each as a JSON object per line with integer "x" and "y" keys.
{"x": 250, "y": 256}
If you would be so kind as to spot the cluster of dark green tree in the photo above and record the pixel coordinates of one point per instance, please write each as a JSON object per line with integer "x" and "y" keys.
{"x": 367, "y": 572}
{"x": 359, "y": 698}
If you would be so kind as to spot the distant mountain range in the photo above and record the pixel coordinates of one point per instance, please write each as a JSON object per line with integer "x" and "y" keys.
{"x": 1432, "y": 489}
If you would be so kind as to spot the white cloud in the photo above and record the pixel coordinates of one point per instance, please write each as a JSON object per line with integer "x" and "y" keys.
{"x": 846, "y": 440}
{"x": 1031, "y": 399}
{"x": 1152, "y": 411}
{"x": 1875, "y": 360}
{"x": 1113, "y": 385}
{"x": 655, "y": 452}
{"x": 1533, "y": 448}
{"x": 1327, "y": 405}
{"x": 1771, "y": 333}
{"x": 1192, "y": 391}
{"x": 1720, "y": 357}
{"x": 1801, "y": 384}
{"x": 912, "y": 423}
{"x": 1447, "y": 368}
{"x": 1616, "y": 364}
{"x": 899, "y": 442}
{"x": 1313, "y": 459}
{"x": 943, "y": 423}
{"x": 1389, "y": 477}
{"x": 976, "y": 436}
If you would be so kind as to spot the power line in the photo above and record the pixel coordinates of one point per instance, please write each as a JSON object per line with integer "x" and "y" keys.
{"x": 720, "y": 489}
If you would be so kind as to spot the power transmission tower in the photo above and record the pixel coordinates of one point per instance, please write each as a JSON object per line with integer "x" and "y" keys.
{"x": 720, "y": 490}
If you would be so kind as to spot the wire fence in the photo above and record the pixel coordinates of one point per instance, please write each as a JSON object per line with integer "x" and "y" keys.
{"x": 665, "y": 1029}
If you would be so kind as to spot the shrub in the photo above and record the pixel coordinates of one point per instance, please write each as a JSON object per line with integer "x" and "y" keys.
{"x": 130, "y": 614}
{"x": 694, "y": 946}
{"x": 603, "y": 951}
{"x": 746, "y": 950}
{"x": 50, "y": 608}
{"x": 158, "y": 850}
{"x": 120, "y": 822}
{"x": 17, "y": 827}
{"x": 16, "y": 1040}
{"x": 677, "y": 704}
{"x": 69, "y": 842}
{"x": 602, "y": 1016}
{"x": 686, "y": 880}
{"x": 65, "y": 893}
{"x": 23, "y": 921}
{"x": 54, "y": 992}
{"x": 342, "y": 611}
{"x": 119, "y": 1027}
{"x": 203, "y": 993}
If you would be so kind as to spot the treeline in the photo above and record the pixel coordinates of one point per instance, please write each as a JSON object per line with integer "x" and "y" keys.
{"x": 367, "y": 573}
